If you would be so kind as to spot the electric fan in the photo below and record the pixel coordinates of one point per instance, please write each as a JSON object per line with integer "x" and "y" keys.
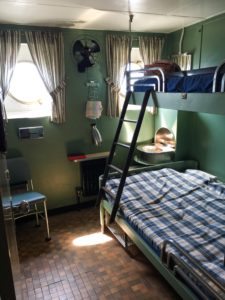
{"x": 84, "y": 51}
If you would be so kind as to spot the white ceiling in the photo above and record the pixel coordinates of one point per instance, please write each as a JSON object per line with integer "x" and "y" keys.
{"x": 149, "y": 15}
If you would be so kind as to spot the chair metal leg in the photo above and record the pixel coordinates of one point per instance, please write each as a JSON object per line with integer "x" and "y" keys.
{"x": 48, "y": 238}
{"x": 37, "y": 217}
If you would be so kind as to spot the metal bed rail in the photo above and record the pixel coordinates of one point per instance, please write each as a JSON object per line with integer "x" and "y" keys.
{"x": 216, "y": 78}
{"x": 222, "y": 83}
{"x": 160, "y": 86}
{"x": 195, "y": 277}
{"x": 218, "y": 84}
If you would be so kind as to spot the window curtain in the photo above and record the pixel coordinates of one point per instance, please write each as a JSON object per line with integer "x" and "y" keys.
{"x": 117, "y": 58}
{"x": 47, "y": 51}
{"x": 9, "y": 48}
{"x": 150, "y": 48}
{"x": 183, "y": 60}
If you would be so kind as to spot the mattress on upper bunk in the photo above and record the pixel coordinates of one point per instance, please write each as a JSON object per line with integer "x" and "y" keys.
{"x": 200, "y": 81}
{"x": 188, "y": 208}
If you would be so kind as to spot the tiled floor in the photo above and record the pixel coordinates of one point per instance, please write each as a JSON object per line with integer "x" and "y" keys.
{"x": 65, "y": 269}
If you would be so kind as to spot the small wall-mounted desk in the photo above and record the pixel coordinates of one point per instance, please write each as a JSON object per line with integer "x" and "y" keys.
{"x": 85, "y": 157}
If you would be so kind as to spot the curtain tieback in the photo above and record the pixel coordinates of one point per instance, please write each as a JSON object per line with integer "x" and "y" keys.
{"x": 112, "y": 85}
{"x": 59, "y": 88}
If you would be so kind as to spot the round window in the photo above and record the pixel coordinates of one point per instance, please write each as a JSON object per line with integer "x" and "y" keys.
{"x": 26, "y": 85}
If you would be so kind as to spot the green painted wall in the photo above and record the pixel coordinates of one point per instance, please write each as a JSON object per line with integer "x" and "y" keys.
{"x": 145, "y": 136}
{"x": 204, "y": 40}
{"x": 208, "y": 143}
{"x": 52, "y": 173}
{"x": 191, "y": 43}
{"x": 201, "y": 136}
{"x": 166, "y": 118}
{"x": 55, "y": 176}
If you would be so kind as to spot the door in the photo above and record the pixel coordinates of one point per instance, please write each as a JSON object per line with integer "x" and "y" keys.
{"x": 9, "y": 259}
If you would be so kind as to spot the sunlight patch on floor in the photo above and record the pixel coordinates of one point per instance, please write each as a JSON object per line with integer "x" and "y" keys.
{"x": 91, "y": 239}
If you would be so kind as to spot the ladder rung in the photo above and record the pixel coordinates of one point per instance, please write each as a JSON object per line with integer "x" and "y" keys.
{"x": 130, "y": 121}
{"x": 115, "y": 168}
{"x": 123, "y": 145}
{"x": 108, "y": 192}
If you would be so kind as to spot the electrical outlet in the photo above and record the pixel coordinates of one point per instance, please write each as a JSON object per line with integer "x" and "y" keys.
{"x": 36, "y": 132}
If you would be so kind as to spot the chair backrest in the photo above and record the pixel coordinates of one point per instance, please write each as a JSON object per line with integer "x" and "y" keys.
{"x": 19, "y": 171}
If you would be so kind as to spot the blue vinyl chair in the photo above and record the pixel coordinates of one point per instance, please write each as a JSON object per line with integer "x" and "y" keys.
{"x": 24, "y": 200}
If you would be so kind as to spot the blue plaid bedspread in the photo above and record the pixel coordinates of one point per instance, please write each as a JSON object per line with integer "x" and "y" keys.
{"x": 188, "y": 208}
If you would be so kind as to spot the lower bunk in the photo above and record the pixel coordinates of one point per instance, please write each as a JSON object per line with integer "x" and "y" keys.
{"x": 176, "y": 218}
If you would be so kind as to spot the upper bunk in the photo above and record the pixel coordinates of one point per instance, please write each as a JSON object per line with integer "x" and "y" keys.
{"x": 200, "y": 90}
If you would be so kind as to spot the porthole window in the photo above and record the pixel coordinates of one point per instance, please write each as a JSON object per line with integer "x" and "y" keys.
{"x": 28, "y": 96}
{"x": 136, "y": 64}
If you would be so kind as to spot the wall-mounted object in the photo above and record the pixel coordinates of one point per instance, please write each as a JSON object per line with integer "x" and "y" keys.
{"x": 184, "y": 60}
{"x": 83, "y": 157}
{"x": 163, "y": 149}
{"x": 96, "y": 135}
{"x": 84, "y": 52}
{"x": 93, "y": 109}
{"x": 93, "y": 105}
{"x": 35, "y": 132}
{"x": 92, "y": 84}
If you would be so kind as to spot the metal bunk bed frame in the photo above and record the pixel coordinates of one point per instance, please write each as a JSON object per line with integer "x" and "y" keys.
{"x": 174, "y": 269}
{"x": 160, "y": 78}
{"x": 170, "y": 266}
{"x": 179, "y": 286}
{"x": 177, "y": 265}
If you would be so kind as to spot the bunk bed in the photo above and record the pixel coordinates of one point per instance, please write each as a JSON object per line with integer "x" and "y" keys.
{"x": 173, "y": 212}
{"x": 192, "y": 90}
{"x": 161, "y": 78}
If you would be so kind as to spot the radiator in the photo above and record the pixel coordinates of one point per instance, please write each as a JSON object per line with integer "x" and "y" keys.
{"x": 90, "y": 172}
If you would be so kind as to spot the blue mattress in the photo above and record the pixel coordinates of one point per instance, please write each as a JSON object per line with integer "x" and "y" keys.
{"x": 181, "y": 82}
{"x": 142, "y": 85}
{"x": 188, "y": 208}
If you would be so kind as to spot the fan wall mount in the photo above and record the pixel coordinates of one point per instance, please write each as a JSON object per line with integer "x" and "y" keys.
{"x": 85, "y": 51}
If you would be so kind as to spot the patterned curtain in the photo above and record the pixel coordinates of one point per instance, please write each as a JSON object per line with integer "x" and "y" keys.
{"x": 150, "y": 48}
{"x": 117, "y": 58}
{"x": 47, "y": 51}
{"x": 9, "y": 48}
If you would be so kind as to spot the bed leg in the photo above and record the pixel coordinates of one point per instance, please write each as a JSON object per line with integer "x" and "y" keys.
{"x": 102, "y": 218}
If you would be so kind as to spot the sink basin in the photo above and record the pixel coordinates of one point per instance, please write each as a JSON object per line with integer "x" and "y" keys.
{"x": 155, "y": 153}
{"x": 162, "y": 150}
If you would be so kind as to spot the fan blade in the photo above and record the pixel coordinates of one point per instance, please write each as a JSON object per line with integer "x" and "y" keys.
{"x": 78, "y": 47}
{"x": 91, "y": 59}
{"x": 85, "y": 63}
{"x": 94, "y": 48}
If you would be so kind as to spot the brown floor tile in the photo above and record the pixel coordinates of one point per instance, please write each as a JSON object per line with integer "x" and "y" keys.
{"x": 60, "y": 270}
